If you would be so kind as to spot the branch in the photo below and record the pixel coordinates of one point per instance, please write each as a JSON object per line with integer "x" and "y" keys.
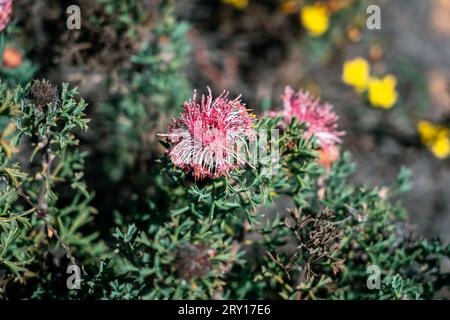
{"x": 43, "y": 216}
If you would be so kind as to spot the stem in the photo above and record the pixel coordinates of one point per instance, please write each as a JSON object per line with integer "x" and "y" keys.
{"x": 43, "y": 216}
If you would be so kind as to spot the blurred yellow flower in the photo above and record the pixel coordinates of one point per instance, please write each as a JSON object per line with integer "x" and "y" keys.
{"x": 435, "y": 137}
{"x": 382, "y": 92}
{"x": 427, "y": 131}
{"x": 356, "y": 73}
{"x": 315, "y": 19}
{"x": 441, "y": 147}
{"x": 238, "y": 4}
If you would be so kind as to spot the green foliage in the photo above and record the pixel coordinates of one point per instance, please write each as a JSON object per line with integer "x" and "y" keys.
{"x": 281, "y": 228}
{"x": 321, "y": 248}
{"x": 44, "y": 201}
{"x": 149, "y": 82}
{"x": 357, "y": 228}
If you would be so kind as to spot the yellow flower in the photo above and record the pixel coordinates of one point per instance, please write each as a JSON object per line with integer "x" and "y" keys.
{"x": 356, "y": 73}
{"x": 238, "y": 4}
{"x": 427, "y": 131}
{"x": 382, "y": 92}
{"x": 435, "y": 137}
{"x": 315, "y": 19}
{"x": 441, "y": 147}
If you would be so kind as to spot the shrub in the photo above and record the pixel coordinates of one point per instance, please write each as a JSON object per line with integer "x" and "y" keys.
{"x": 227, "y": 205}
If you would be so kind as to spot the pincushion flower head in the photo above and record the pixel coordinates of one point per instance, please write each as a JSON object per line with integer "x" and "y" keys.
{"x": 210, "y": 138}
{"x": 319, "y": 117}
{"x": 320, "y": 120}
{"x": 5, "y": 13}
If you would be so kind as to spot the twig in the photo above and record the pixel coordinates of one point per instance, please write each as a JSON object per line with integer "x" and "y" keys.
{"x": 343, "y": 221}
{"x": 43, "y": 216}
{"x": 301, "y": 278}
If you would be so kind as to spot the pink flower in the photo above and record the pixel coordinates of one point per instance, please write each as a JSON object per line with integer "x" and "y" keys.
{"x": 5, "y": 13}
{"x": 319, "y": 117}
{"x": 210, "y": 138}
